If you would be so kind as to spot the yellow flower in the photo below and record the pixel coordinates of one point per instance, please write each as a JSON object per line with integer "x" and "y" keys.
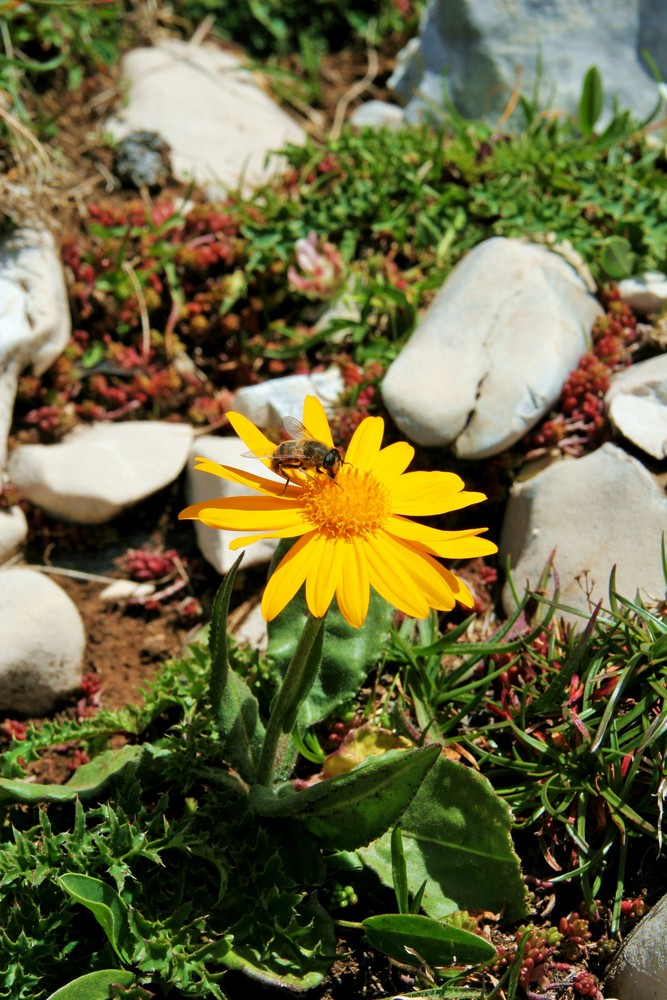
{"x": 355, "y": 532}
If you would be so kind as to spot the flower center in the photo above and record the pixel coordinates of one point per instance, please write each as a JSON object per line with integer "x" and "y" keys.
{"x": 355, "y": 505}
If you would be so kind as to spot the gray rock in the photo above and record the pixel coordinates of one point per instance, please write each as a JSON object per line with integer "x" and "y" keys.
{"x": 639, "y": 971}
{"x": 637, "y": 405}
{"x": 43, "y": 643}
{"x": 377, "y": 114}
{"x": 213, "y": 542}
{"x": 645, "y": 293}
{"x": 141, "y": 159}
{"x": 220, "y": 125}
{"x": 98, "y": 471}
{"x": 34, "y": 313}
{"x": 13, "y": 532}
{"x": 490, "y": 355}
{"x": 596, "y": 512}
{"x": 267, "y": 403}
{"x": 471, "y": 51}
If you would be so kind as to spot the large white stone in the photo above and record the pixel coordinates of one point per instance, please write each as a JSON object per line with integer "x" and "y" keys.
{"x": 43, "y": 642}
{"x": 637, "y": 405}
{"x": 491, "y": 354}
{"x": 34, "y": 313}
{"x": 221, "y": 126}
{"x": 645, "y": 293}
{"x": 214, "y": 542}
{"x": 13, "y": 532}
{"x": 639, "y": 972}
{"x": 476, "y": 53}
{"x": 267, "y": 403}
{"x": 596, "y": 512}
{"x": 98, "y": 471}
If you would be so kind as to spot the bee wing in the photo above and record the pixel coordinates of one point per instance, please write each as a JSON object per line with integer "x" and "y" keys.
{"x": 296, "y": 429}
{"x": 261, "y": 455}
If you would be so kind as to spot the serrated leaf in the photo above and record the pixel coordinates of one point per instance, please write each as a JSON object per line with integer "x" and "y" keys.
{"x": 88, "y": 780}
{"x": 356, "y": 807}
{"x": 105, "y": 904}
{"x": 94, "y": 985}
{"x": 348, "y": 653}
{"x": 411, "y": 938}
{"x": 456, "y": 834}
{"x": 315, "y": 947}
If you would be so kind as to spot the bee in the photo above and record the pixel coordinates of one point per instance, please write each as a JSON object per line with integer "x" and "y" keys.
{"x": 302, "y": 451}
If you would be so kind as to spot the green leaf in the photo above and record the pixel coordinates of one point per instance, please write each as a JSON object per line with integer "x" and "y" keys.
{"x": 217, "y": 638}
{"x": 456, "y": 834}
{"x": 616, "y": 258}
{"x": 446, "y": 992}
{"x": 591, "y": 100}
{"x": 94, "y": 985}
{"x": 411, "y": 938}
{"x": 88, "y": 780}
{"x": 349, "y": 653}
{"x": 398, "y": 871}
{"x": 353, "y": 808}
{"x": 315, "y": 947}
{"x": 233, "y": 704}
{"x": 106, "y": 906}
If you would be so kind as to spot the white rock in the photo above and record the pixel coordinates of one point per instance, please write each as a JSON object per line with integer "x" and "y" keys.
{"x": 97, "y": 471}
{"x": 267, "y": 403}
{"x": 34, "y": 313}
{"x": 637, "y": 405}
{"x": 490, "y": 355}
{"x": 123, "y": 590}
{"x": 639, "y": 971}
{"x": 219, "y": 123}
{"x": 253, "y": 631}
{"x": 213, "y": 542}
{"x": 645, "y": 293}
{"x": 13, "y": 532}
{"x": 596, "y": 512}
{"x": 43, "y": 642}
{"x": 377, "y": 114}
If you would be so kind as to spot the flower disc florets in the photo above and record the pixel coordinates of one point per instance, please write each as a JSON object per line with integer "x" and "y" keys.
{"x": 354, "y": 506}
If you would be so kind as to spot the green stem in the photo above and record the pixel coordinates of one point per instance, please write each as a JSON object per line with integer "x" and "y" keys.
{"x": 296, "y": 684}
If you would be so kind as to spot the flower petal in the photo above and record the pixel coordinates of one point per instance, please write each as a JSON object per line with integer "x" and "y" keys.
{"x": 423, "y": 493}
{"x": 353, "y": 591}
{"x": 365, "y": 444}
{"x": 424, "y": 574}
{"x": 274, "y": 487}
{"x": 247, "y": 514}
{"x": 459, "y": 588}
{"x": 393, "y": 461}
{"x": 447, "y": 544}
{"x": 452, "y": 584}
{"x": 322, "y": 580}
{"x": 257, "y": 442}
{"x": 315, "y": 420}
{"x": 288, "y": 576}
{"x": 292, "y": 532}
{"x": 388, "y": 576}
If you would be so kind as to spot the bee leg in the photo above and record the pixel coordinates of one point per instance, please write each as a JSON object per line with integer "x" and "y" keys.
{"x": 330, "y": 477}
